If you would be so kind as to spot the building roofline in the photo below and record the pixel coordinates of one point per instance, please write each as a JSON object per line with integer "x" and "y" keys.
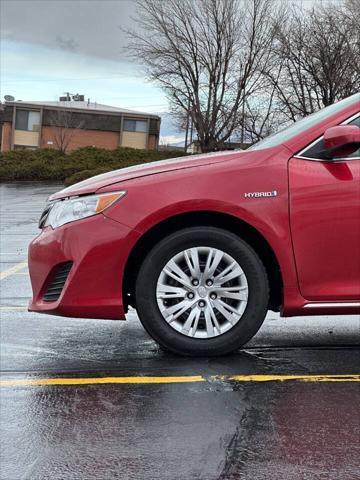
{"x": 99, "y": 110}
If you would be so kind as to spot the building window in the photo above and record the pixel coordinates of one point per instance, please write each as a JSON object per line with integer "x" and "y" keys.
{"x": 24, "y": 147}
{"x": 27, "y": 120}
{"x": 135, "y": 125}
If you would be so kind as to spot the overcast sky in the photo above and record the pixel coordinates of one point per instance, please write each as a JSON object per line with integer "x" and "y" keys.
{"x": 52, "y": 46}
{"x": 49, "y": 47}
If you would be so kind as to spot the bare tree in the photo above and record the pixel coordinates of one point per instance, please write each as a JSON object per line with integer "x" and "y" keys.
{"x": 64, "y": 124}
{"x": 208, "y": 56}
{"x": 318, "y": 51}
{"x": 263, "y": 116}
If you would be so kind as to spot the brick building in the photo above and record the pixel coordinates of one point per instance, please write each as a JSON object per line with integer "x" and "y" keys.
{"x": 68, "y": 125}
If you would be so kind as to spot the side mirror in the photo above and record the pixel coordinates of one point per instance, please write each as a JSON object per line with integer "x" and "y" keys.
{"x": 342, "y": 140}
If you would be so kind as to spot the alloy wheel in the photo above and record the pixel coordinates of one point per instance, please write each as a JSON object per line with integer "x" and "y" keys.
{"x": 202, "y": 292}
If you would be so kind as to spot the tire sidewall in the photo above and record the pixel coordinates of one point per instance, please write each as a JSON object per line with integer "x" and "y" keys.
{"x": 243, "y": 330}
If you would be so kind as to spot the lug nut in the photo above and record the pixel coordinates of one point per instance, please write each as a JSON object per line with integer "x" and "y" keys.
{"x": 191, "y": 295}
{"x": 195, "y": 283}
{"x": 213, "y": 296}
{"x": 202, "y": 304}
{"x": 209, "y": 283}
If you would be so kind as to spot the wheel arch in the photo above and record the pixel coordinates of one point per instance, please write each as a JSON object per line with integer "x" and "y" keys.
{"x": 203, "y": 218}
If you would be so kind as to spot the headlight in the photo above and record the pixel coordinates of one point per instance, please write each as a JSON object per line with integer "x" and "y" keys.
{"x": 64, "y": 211}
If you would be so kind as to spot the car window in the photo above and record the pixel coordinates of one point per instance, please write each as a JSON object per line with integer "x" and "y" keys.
{"x": 304, "y": 124}
{"x": 318, "y": 149}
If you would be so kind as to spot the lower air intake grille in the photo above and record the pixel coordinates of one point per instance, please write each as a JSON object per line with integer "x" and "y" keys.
{"x": 57, "y": 283}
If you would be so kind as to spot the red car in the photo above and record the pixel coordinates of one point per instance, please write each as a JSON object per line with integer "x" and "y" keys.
{"x": 204, "y": 246}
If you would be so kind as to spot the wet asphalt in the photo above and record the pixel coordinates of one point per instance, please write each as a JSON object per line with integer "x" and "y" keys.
{"x": 214, "y": 429}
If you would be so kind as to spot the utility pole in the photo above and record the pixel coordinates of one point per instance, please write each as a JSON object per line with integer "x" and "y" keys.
{"x": 242, "y": 139}
{"x": 187, "y": 126}
{"x": 191, "y": 129}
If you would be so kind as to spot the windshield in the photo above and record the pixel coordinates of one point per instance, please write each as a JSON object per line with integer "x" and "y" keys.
{"x": 305, "y": 123}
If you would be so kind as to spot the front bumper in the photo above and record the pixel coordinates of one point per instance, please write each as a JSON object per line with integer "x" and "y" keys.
{"x": 98, "y": 248}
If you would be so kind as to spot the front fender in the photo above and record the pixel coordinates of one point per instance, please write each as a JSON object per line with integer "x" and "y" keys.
{"x": 216, "y": 188}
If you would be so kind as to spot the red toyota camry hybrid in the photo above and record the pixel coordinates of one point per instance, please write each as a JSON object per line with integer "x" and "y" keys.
{"x": 204, "y": 246}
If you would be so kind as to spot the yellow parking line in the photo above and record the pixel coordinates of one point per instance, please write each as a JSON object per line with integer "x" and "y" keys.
{"x": 98, "y": 380}
{"x": 12, "y": 270}
{"x": 26, "y": 382}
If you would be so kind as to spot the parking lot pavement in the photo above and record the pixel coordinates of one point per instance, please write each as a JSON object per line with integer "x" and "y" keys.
{"x": 90, "y": 399}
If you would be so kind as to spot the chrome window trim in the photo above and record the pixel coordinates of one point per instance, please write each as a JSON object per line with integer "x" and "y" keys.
{"x": 302, "y": 157}
{"x": 345, "y": 159}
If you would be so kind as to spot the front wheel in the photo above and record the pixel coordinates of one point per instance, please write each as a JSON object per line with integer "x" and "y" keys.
{"x": 202, "y": 291}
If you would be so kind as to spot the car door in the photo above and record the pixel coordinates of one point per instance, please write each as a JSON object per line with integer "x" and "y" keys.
{"x": 325, "y": 222}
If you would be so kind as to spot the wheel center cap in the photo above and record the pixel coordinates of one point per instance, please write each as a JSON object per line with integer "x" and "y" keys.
{"x": 202, "y": 292}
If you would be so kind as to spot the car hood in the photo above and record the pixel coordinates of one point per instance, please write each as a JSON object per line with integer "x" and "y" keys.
{"x": 93, "y": 184}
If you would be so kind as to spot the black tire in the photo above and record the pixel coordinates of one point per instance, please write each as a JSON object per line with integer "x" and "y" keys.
{"x": 252, "y": 318}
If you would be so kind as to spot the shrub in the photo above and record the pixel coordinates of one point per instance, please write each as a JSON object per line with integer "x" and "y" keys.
{"x": 83, "y": 175}
{"x": 52, "y": 165}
